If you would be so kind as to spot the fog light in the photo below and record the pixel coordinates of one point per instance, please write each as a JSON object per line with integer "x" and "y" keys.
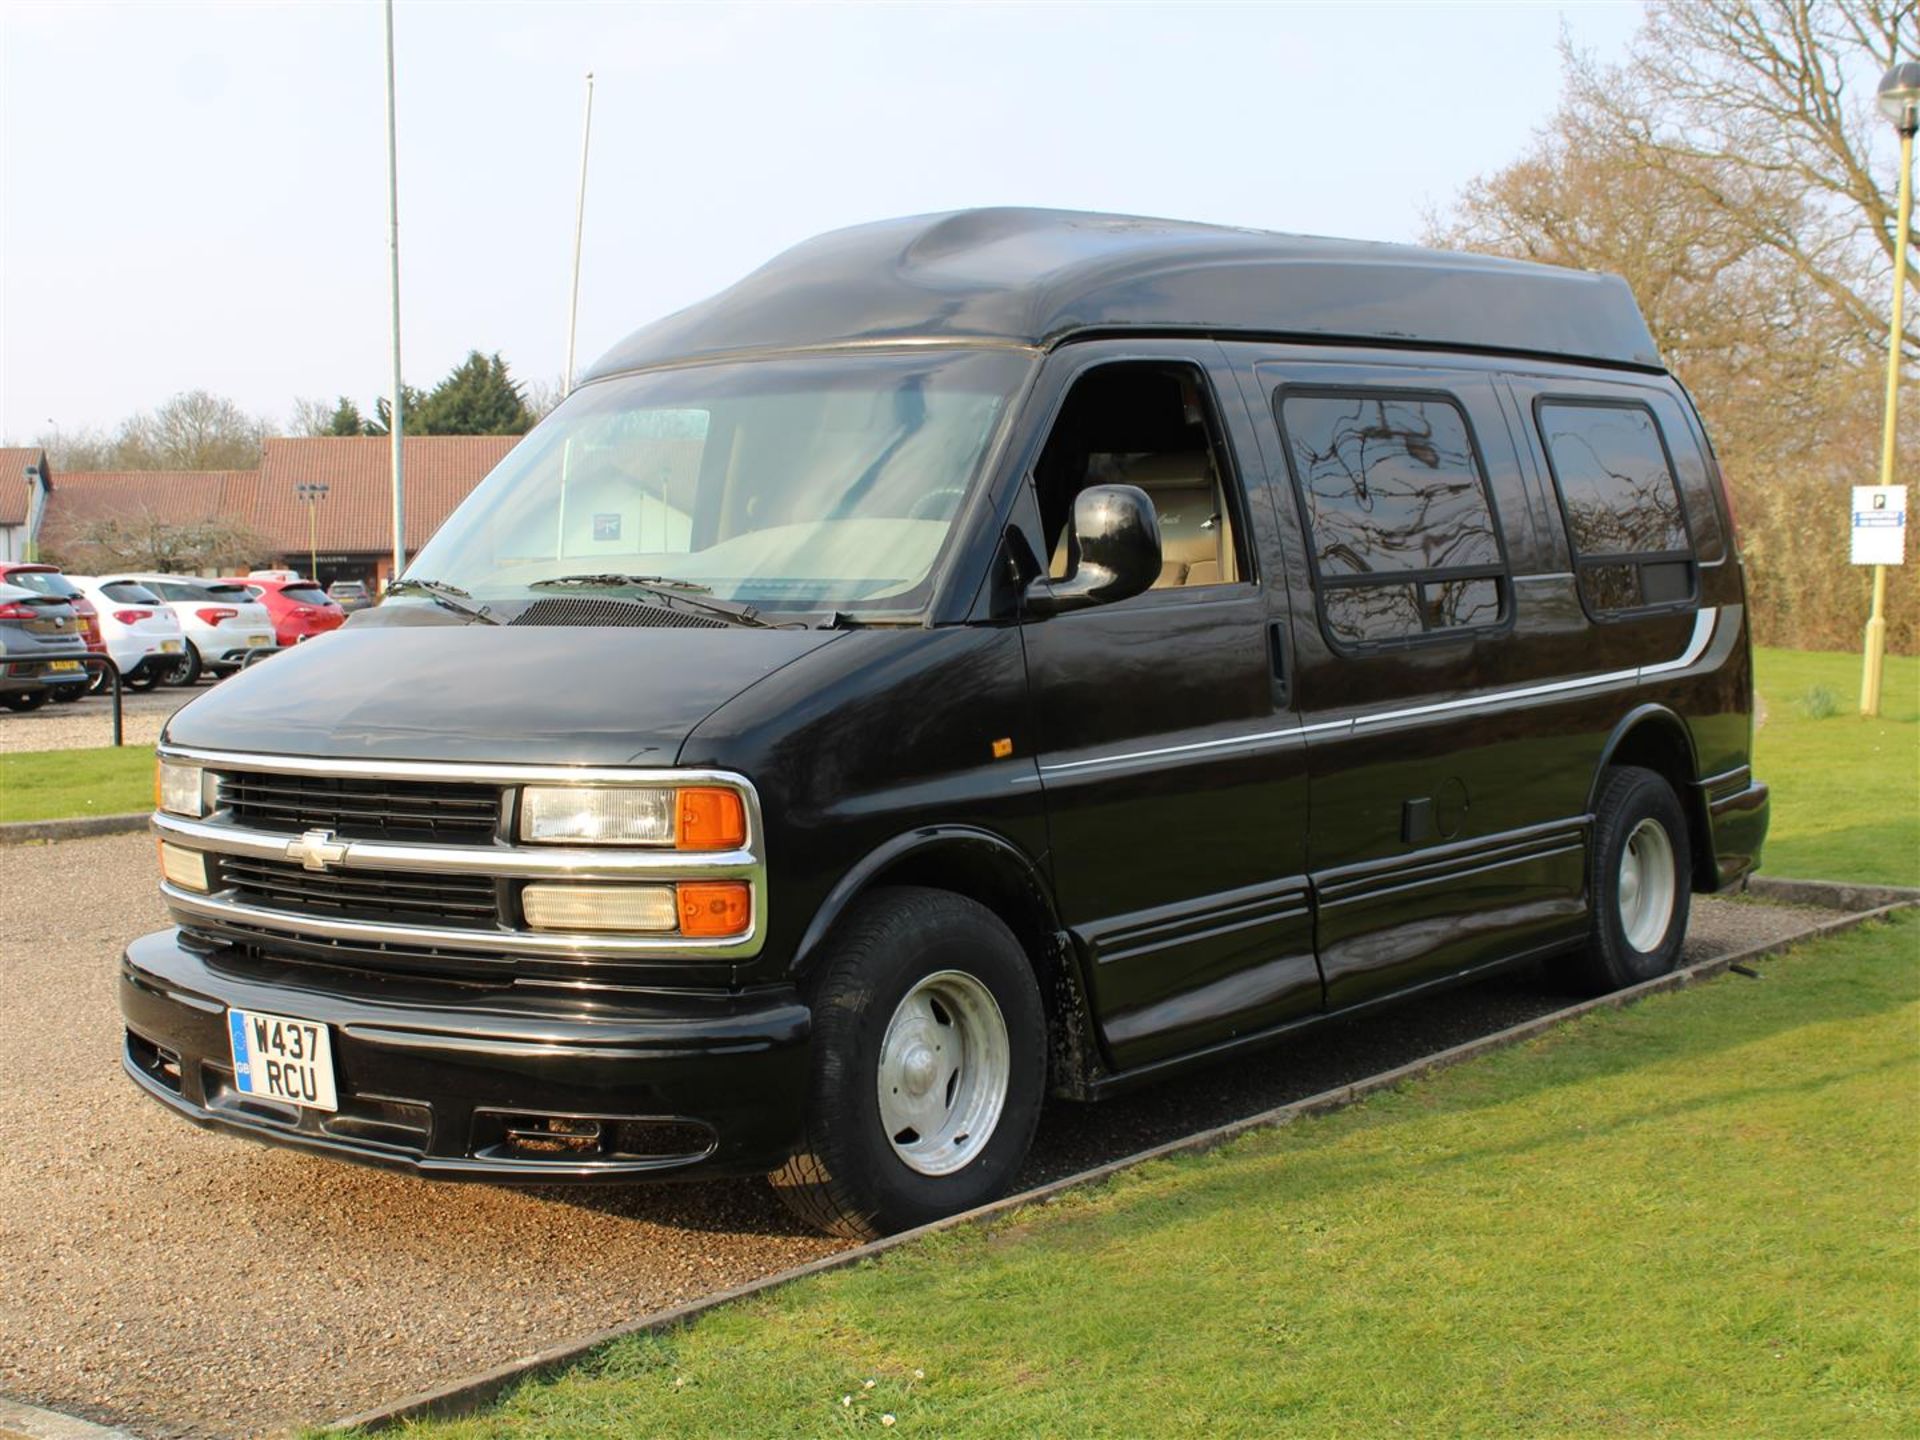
{"x": 183, "y": 867}
{"x": 597, "y": 815}
{"x": 599, "y": 907}
{"x": 181, "y": 789}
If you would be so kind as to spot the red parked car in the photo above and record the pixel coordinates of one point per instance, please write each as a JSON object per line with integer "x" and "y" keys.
{"x": 49, "y": 580}
{"x": 300, "y": 608}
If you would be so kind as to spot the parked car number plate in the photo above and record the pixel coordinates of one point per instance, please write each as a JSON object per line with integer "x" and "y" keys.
{"x": 169, "y": 647}
{"x": 280, "y": 1058}
{"x": 59, "y": 667}
{"x": 256, "y": 641}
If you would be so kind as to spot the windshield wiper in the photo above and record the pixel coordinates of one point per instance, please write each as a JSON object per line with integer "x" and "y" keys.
{"x": 661, "y": 587}
{"x": 447, "y": 597}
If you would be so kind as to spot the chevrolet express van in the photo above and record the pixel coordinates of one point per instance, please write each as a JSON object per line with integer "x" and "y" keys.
{"x": 977, "y": 657}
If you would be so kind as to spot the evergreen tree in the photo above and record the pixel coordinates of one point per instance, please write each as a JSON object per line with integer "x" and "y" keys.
{"x": 477, "y": 398}
{"x": 345, "y": 420}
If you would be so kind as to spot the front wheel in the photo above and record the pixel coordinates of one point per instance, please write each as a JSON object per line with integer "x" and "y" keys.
{"x": 1640, "y": 880}
{"x": 929, "y": 1066}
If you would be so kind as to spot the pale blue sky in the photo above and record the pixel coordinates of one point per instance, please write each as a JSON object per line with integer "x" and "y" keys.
{"x": 195, "y": 195}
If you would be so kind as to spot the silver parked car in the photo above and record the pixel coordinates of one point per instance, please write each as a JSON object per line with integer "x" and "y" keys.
{"x": 41, "y": 645}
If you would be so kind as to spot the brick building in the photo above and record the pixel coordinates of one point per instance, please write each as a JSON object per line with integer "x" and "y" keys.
{"x": 351, "y": 528}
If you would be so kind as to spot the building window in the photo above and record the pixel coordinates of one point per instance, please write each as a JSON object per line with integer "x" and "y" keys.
{"x": 1622, "y": 508}
{"x": 1404, "y": 540}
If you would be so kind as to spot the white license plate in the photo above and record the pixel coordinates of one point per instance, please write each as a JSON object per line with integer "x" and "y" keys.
{"x": 280, "y": 1058}
{"x": 61, "y": 667}
{"x": 169, "y": 647}
{"x": 256, "y": 641}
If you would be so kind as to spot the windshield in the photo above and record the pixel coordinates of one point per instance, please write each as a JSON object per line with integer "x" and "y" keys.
{"x": 799, "y": 484}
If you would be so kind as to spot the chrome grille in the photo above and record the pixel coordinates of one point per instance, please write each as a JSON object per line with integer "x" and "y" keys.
{"x": 463, "y": 902}
{"x": 363, "y": 809}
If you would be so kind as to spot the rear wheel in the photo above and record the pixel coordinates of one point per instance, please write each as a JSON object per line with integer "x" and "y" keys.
{"x": 929, "y": 1066}
{"x": 187, "y": 672}
{"x": 1640, "y": 882}
{"x": 24, "y": 699}
{"x": 144, "y": 678}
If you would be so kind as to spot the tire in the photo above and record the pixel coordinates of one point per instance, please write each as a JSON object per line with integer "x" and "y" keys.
{"x": 1640, "y": 876}
{"x": 67, "y": 694}
{"x": 24, "y": 699}
{"x": 144, "y": 677}
{"x": 909, "y": 978}
{"x": 187, "y": 672}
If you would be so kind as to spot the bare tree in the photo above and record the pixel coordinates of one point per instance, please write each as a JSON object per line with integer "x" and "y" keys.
{"x": 77, "y": 449}
{"x": 1746, "y": 103}
{"x": 311, "y": 417}
{"x": 1727, "y": 171}
{"x": 195, "y": 430}
{"x": 142, "y": 541}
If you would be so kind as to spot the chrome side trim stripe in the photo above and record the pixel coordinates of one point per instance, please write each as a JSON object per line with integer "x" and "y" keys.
{"x": 1704, "y": 624}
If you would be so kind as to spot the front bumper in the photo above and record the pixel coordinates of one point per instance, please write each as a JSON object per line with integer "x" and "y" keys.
{"x": 454, "y": 1080}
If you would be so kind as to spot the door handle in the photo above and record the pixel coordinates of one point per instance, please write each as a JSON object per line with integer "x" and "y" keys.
{"x": 1277, "y": 657}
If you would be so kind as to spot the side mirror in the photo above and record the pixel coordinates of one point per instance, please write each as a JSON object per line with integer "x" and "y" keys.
{"x": 1113, "y": 552}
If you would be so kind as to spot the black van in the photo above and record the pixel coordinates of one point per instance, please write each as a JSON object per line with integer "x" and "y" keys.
{"x": 976, "y": 657}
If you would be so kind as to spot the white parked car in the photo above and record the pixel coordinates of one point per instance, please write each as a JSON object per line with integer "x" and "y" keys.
{"x": 143, "y": 634}
{"x": 222, "y": 621}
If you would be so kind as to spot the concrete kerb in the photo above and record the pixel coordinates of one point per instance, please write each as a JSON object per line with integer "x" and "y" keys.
{"x": 468, "y": 1394}
{"x": 30, "y": 1422}
{"x": 78, "y": 827}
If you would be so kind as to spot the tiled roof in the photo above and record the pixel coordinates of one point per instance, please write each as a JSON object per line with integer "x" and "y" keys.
{"x": 171, "y": 497}
{"x": 357, "y": 513}
{"x": 354, "y": 517}
{"x": 13, "y": 481}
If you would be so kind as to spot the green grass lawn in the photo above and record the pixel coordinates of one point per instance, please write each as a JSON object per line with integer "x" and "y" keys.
{"x": 54, "y": 784}
{"x": 1693, "y": 1217}
{"x": 1846, "y": 791}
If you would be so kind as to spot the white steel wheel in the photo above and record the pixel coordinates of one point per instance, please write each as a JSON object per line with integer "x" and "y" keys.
{"x": 1646, "y": 890}
{"x": 945, "y": 1065}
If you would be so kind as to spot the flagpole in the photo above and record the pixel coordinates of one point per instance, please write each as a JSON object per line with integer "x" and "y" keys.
{"x": 396, "y": 418}
{"x": 579, "y": 224}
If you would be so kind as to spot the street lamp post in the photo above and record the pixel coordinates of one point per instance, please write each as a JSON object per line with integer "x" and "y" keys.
{"x": 1899, "y": 98}
{"x": 312, "y": 492}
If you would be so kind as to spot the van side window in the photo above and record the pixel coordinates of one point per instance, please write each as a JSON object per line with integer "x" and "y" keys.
{"x": 1622, "y": 508}
{"x": 1150, "y": 425}
{"x": 1402, "y": 530}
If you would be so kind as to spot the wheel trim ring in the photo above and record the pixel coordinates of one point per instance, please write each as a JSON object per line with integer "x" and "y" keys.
{"x": 945, "y": 1083}
{"x": 1647, "y": 890}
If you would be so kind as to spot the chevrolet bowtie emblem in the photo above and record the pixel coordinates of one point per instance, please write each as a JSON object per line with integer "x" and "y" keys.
{"x": 316, "y": 850}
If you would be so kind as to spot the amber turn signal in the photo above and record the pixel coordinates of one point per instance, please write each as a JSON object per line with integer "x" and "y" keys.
{"x": 710, "y": 819}
{"x": 714, "y": 907}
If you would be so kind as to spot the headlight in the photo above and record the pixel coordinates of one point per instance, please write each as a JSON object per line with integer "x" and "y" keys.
{"x": 600, "y": 907}
{"x": 693, "y": 818}
{"x": 181, "y": 789}
{"x": 185, "y": 868}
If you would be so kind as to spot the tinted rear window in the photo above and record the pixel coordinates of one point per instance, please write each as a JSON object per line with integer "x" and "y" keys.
{"x": 1403, "y": 533}
{"x": 128, "y": 593}
{"x": 228, "y": 593}
{"x": 44, "y": 582}
{"x": 304, "y": 594}
{"x": 1623, "y": 511}
{"x": 1614, "y": 480}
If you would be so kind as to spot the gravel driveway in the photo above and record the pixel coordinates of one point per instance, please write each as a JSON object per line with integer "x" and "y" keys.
{"x": 89, "y": 722}
{"x": 182, "y": 1283}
